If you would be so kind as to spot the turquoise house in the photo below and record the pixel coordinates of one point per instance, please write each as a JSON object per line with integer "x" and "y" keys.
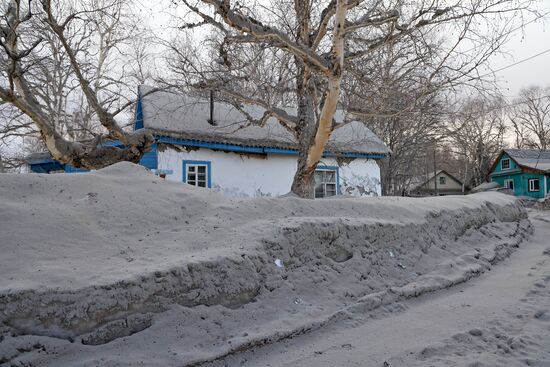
{"x": 526, "y": 172}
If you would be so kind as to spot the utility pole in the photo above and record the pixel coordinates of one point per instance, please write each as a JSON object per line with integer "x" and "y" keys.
{"x": 435, "y": 174}
{"x": 211, "y": 120}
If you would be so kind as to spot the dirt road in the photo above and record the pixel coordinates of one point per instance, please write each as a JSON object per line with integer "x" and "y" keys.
{"x": 501, "y": 318}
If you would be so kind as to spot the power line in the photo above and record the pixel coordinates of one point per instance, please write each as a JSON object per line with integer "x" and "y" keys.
{"x": 519, "y": 103}
{"x": 513, "y": 64}
{"x": 513, "y": 30}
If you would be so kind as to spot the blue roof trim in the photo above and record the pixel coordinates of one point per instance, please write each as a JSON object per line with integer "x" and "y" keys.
{"x": 138, "y": 118}
{"x": 203, "y": 144}
{"x": 257, "y": 150}
{"x": 148, "y": 160}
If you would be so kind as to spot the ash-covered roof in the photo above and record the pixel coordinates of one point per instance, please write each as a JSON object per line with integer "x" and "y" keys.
{"x": 186, "y": 117}
{"x": 38, "y": 157}
{"x": 531, "y": 158}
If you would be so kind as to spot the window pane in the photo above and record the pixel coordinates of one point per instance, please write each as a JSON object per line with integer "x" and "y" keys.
{"x": 318, "y": 176}
{"x": 201, "y": 169}
{"x": 330, "y": 189}
{"x": 192, "y": 182}
{"x": 201, "y": 184}
{"x": 330, "y": 176}
{"x": 191, "y": 169}
{"x": 191, "y": 176}
{"x": 201, "y": 176}
{"x": 319, "y": 191}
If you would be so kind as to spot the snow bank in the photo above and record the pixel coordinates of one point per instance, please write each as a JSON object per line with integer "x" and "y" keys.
{"x": 486, "y": 186}
{"x": 118, "y": 267}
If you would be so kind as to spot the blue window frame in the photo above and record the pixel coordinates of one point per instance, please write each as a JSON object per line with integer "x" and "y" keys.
{"x": 197, "y": 173}
{"x": 327, "y": 181}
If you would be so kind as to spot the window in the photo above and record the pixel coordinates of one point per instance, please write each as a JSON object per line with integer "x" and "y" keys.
{"x": 442, "y": 180}
{"x": 196, "y": 173}
{"x": 509, "y": 184}
{"x": 505, "y": 164}
{"x": 534, "y": 184}
{"x": 325, "y": 182}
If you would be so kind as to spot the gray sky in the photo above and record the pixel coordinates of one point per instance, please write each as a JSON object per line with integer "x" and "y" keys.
{"x": 524, "y": 43}
{"x": 534, "y": 39}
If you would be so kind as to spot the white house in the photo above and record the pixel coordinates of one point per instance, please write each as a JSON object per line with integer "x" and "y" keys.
{"x": 239, "y": 159}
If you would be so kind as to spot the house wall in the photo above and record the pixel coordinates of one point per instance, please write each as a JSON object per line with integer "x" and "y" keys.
{"x": 521, "y": 184}
{"x": 246, "y": 175}
{"x": 513, "y": 165}
{"x": 450, "y": 184}
{"x": 520, "y": 179}
{"x": 450, "y": 187}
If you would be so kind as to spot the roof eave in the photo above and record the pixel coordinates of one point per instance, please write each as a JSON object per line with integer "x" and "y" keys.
{"x": 258, "y": 148}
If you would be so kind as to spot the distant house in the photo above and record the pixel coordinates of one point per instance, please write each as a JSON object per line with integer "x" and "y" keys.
{"x": 211, "y": 144}
{"x": 444, "y": 184}
{"x": 523, "y": 171}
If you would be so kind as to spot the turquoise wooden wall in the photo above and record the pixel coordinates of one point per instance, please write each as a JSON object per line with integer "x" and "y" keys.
{"x": 513, "y": 166}
{"x": 520, "y": 178}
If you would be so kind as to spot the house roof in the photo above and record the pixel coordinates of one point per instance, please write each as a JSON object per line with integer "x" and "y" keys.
{"x": 419, "y": 181}
{"x": 186, "y": 117}
{"x": 530, "y": 158}
{"x": 38, "y": 157}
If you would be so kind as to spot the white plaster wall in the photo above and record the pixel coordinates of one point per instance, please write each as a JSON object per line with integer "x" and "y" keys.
{"x": 241, "y": 175}
{"x": 360, "y": 177}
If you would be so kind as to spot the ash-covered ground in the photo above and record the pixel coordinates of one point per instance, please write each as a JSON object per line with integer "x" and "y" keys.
{"x": 121, "y": 268}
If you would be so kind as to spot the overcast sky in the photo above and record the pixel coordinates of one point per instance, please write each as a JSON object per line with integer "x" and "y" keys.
{"x": 524, "y": 43}
{"x": 534, "y": 39}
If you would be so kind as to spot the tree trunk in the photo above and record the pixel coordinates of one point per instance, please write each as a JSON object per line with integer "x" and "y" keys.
{"x": 303, "y": 184}
{"x": 313, "y": 134}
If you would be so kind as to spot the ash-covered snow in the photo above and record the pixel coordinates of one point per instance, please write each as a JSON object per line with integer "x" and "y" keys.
{"x": 119, "y": 267}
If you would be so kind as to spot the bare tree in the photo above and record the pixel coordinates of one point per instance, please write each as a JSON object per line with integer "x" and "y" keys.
{"x": 400, "y": 105}
{"x": 58, "y": 67}
{"x": 530, "y": 118}
{"x": 307, "y": 46}
{"x": 476, "y": 134}
{"x": 17, "y": 138}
